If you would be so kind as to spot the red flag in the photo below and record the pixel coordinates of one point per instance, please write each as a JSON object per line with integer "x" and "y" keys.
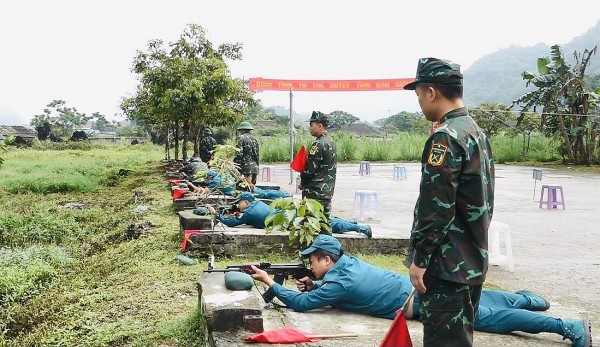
{"x": 300, "y": 160}
{"x": 186, "y": 237}
{"x": 397, "y": 335}
{"x": 281, "y": 335}
{"x": 178, "y": 193}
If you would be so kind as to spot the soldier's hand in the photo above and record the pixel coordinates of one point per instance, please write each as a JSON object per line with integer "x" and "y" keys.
{"x": 211, "y": 209}
{"x": 416, "y": 278}
{"x": 261, "y": 275}
{"x": 305, "y": 284}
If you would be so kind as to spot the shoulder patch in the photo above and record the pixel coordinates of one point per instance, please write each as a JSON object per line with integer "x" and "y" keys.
{"x": 313, "y": 150}
{"x": 437, "y": 154}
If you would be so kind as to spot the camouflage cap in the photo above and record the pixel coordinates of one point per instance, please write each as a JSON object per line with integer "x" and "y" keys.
{"x": 207, "y": 131}
{"x": 319, "y": 117}
{"x": 433, "y": 70}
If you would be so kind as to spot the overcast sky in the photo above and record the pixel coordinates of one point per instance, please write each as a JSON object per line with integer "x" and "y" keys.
{"x": 82, "y": 51}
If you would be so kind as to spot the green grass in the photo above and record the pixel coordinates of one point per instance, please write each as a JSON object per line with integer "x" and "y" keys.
{"x": 70, "y": 273}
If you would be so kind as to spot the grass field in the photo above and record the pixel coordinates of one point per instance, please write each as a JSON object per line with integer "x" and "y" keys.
{"x": 80, "y": 267}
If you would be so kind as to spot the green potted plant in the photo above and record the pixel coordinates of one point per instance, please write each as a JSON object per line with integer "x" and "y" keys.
{"x": 302, "y": 218}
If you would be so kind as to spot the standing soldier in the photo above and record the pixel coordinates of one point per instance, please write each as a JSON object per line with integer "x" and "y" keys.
{"x": 207, "y": 144}
{"x": 248, "y": 153}
{"x": 448, "y": 257}
{"x": 317, "y": 181}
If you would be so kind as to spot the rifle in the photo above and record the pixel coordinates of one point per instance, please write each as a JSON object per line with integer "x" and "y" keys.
{"x": 280, "y": 272}
{"x": 228, "y": 209}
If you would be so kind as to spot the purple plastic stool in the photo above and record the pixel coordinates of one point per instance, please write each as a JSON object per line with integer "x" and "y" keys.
{"x": 551, "y": 197}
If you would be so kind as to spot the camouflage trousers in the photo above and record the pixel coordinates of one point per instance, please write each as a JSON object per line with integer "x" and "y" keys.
{"x": 326, "y": 207}
{"x": 448, "y": 312}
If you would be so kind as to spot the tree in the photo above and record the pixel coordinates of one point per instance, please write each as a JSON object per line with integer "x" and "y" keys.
{"x": 492, "y": 117}
{"x": 565, "y": 102}
{"x": 527, "y": 123}
{"x": 186, "y": 86}
{"x": 101, "y": 123}
{"x": 62, "y": 119}
{"x": 403, "y": 121}
{"x": 340, "y": 119}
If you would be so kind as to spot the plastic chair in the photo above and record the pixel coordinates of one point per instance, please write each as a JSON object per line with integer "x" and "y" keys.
{"x": 551, "y": 197}
{"x": 399, "y": 172}
{"x": 365, "y": 203}
{"x": 270, "y": 174}
{"x": 498, "y": 235}
{"x": 364, "y": 168}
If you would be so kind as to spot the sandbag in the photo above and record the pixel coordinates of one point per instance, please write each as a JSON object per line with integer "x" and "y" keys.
{"x": 235, "y": 280}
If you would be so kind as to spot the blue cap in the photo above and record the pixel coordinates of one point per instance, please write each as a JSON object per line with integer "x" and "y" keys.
{"x": 211, "y": 174}
{"x": 325, "y": 242}
{"x": 244, "y": 196}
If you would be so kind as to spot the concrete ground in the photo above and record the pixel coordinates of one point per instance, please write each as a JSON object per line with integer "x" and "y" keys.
{"x": 555, "y": 251}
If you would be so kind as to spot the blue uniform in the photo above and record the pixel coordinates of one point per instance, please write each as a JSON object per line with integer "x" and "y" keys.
{"x": 270, "y": 194}
{"x": 354, "y": 285}
{"x": 254, "y": 215}
{"x": 220, "y": 184}
{"x": 340, "y": 226}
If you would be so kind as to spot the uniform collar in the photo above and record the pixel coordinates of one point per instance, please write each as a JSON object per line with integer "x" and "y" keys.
{"x": 461, "y": 111}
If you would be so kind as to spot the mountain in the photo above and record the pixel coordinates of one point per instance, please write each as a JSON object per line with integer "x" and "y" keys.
{"x": 496, "y": 77}
{"x": 8, "y": 117}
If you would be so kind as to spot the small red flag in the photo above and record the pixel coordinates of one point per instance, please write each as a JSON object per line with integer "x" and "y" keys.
{"x": 178, "y": 193}
{"x": 397, "y": 335}
{"x": 186, "y": 237}
{"x": 281, "y": 335}
{"x": 299, "y": 162}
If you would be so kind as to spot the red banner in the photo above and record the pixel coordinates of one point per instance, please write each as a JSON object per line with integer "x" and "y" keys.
{"x": 258, "y": 83}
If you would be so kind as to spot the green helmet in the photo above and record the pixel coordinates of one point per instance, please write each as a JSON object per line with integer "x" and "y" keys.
{"x": 245, "y": 126}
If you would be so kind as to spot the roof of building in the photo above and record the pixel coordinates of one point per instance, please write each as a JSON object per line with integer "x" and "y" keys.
{"x": 25, "y": 132}
{"x": 362, "y": 129}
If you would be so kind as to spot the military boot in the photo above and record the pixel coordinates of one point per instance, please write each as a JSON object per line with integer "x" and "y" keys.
{"x": 366, "y": 229}
{"x": 578, "y": 331}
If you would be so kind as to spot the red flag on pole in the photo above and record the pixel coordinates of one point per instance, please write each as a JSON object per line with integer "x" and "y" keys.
{"x": 281, "y": 335}
{"x": 186, "y": 237}
{"x": 300, "y": 159}
{"x": 291, "y": 335}
{"x": 178, "y": 193}
{"x": 398, "y": 334}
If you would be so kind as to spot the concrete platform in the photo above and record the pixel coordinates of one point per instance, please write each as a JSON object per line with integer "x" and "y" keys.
{"x": 554, "y": 250}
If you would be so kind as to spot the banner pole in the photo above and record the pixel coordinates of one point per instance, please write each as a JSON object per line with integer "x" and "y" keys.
{"x": 292, "y": 130}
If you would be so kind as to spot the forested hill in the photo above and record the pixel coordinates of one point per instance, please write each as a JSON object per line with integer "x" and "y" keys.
{"x": 496, "y": 77}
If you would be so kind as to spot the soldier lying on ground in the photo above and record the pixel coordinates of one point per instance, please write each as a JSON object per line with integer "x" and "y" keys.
{"x": 192, "y": 167}
{"x": 216, "y": 183}
{"x": 254, "y": 212}
{"x": 351, "y": 284}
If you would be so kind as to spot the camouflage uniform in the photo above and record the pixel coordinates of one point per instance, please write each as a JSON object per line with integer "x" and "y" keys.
{"x": 206, "y": 146}
{"x": 449, "y": 237}
{"x": 193, "y": 167}
{"x": 318, "y": 177}
{"x": 248, "y": 153}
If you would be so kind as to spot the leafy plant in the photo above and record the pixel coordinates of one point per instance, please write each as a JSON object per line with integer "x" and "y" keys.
{"x": 302, "y": 218}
